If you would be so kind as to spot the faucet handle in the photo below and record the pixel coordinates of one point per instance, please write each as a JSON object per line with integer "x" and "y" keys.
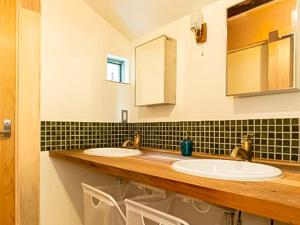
{"x": 247, "y": 143}
{"x": 247, "y": 137}
{"x": 137, "y": 133}
{"x": 137, "y": 136}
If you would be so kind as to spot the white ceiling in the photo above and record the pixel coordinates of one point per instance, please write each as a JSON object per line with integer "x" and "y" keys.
{"x": 134, "y": 18}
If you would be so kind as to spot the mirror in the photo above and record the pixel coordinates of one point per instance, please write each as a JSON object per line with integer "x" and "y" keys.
{"x": 261, "y": 47}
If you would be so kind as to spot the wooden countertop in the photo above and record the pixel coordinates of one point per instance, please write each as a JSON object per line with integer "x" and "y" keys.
{"x": 277, "y": 199}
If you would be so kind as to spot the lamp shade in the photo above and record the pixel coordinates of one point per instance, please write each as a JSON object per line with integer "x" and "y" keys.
{"x": 196, "y": 18}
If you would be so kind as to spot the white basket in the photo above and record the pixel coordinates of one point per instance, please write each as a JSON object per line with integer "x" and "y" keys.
{"x": 139, "y": 214}
{"x": 104, "y": 205}
{"x": 174, "y": 210}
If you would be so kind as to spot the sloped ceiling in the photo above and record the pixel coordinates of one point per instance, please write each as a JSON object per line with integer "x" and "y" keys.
{"x": 134, "y": 18}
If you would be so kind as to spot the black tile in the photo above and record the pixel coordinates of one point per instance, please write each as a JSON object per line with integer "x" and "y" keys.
{"x": 270, "y": 135}
{"x": 295, "y": 128}
{"x": 286, "y": 121}
{"x": 279, "y": 121}
{"x": 295, "y": 158}
{"x": 295, "y": 121}
{"x": 265, "y": 122}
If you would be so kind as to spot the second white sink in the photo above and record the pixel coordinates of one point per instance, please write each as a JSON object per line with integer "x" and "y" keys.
{"x": 112, "y": 152}
{"x": 227, "y": 169}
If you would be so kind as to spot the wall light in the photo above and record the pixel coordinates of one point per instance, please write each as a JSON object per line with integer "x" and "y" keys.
{"x": 199, "y": 28}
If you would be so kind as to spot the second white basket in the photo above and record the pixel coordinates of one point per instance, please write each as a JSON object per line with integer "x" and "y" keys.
{"x": 104, "y": 205}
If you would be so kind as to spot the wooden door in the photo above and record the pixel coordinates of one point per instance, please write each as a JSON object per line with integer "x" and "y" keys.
{"x": 8, "y": 71}
{"x": 19, "y": 102}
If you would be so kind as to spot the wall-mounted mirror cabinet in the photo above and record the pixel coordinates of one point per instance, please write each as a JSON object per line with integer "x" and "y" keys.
{"x": 261, "y": 47}
{"x": 155, "y": 71}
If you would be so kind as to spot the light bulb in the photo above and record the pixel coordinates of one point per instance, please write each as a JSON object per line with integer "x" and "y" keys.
{"x": 196, "y": 18}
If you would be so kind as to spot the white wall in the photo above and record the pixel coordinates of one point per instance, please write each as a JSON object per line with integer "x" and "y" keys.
{"x": 61, "y": 198}
{"x": 201, "y": 79}
{"x": 75, "y": 42}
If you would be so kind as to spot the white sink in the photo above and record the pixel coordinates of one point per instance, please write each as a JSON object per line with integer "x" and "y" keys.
{"x": 227, "y": 169}
{"x": 112, "y": 152}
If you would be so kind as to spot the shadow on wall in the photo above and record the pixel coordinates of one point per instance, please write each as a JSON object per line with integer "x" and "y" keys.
{"x": 153, "y": 112}
{"x": 71, "y": 176}
{"x": 267, "y": 104}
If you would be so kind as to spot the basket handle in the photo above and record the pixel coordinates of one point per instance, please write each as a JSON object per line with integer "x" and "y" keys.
{"x": 93, "y": 202}
{"x": 143, "y": 222}
{"x": 203, "y": 211}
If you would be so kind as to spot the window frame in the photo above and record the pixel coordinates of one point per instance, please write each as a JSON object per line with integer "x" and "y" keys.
{"x": 123, "y": 64}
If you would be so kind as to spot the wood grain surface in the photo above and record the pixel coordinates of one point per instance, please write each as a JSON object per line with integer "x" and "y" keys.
{"x": 28, "y": 118}
{"x": 8, "y": 65}
{"x": 253, "y": 27}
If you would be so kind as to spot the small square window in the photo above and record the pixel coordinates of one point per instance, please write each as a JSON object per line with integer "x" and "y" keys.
{"x": 117, "y": 70}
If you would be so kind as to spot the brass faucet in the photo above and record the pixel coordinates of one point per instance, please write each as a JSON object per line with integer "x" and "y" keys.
{"x": 245, "y": 151}
{"x": 135, "y": 143}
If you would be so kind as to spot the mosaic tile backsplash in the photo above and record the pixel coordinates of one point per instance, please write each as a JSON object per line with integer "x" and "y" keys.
{"x": 273, "y": 138}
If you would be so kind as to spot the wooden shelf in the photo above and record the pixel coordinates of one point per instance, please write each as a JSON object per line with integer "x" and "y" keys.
{"x": 277, "y": 199}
